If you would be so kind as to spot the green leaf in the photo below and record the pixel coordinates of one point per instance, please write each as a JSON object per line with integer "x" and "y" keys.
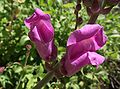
{"x": 50, "y": 2}
{"x": 41, "y": 70}
{"x": 23, "y": 39}
{"x": 31, "y": 81}
{"x": 115, "y": 55}
{"x": 74, "y": 78}
{"x": 75, "y": 86}
{"x": 89, "y": 75}
{"x": 68, "y": 5}
{"x": 115, "y": 36}
{"x": 18, "y": 69}
{"x": 60, "y": 2}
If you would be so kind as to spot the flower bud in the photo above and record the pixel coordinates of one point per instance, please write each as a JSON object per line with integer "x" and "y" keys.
{"x": 88, "y": 3}
{"x": 112, "y": 2}
{"x": 42, "y": 34}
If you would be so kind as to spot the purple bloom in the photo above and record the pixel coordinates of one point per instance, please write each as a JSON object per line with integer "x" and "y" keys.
{"x": 81, "y": 47}
{"x": 42, "y": 34}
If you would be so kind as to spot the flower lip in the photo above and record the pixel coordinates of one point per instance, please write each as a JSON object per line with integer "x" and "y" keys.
{"x": 95, "y": 59}
{"x": 89, "y": 58}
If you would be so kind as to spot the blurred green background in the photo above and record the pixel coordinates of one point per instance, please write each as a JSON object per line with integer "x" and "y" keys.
{"x": 24, "y": 67}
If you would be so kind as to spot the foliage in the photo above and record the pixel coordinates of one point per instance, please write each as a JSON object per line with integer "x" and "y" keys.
{"x": 24, "y": 67}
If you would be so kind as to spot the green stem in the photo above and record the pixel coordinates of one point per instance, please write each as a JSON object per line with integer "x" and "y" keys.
{"x": 24, "y": 70}
{"x": 47, "y": 78}
{"x": 20, "y": 80}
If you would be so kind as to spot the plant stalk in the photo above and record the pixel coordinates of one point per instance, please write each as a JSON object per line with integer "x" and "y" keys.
{"x": 93, "y": 19}
{"x": 47, "y": 78}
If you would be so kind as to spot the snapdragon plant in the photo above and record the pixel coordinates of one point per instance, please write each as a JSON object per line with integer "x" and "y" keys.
{"x": 81, "y": 45}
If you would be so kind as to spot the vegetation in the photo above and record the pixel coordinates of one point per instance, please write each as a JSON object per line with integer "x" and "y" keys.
{"x": 24, "y": 67}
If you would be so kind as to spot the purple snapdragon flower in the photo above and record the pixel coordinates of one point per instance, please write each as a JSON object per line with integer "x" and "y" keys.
{"x": 81, "y": 47}
{"x": 42, "y": 34}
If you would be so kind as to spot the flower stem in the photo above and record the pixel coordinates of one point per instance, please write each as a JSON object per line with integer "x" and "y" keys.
{"x": 47, "y": 78}
{"x": 76, "y": 21}
{"x": 93, "y": 19}
{"x": 24, "y": 66}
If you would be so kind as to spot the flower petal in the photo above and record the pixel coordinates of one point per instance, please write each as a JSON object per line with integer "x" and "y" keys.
{"x": 45, "y": 30}
{"x": 85, "y": 32}
{"x": 99, "y": 39}
{"x": 89, "y": 38}
{"x": 77, "y": 64}
{"x": 37, "y": 16}
{"x": 46, "y": 50}
{"x": 34, "y": 36}
{"x": 71, "y": 67}
{"x": 95, "y": 59}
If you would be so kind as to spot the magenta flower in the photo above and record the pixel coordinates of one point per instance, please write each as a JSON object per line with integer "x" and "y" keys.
{"x": 42, "y": 34}
{"x": 81, "y": 47}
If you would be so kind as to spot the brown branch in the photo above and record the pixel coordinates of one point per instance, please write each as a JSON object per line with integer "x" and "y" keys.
{"x": 77, "y": 9}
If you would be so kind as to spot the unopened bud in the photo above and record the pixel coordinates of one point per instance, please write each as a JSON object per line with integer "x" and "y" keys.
{"x": 106, "y": 10}
{"x": 95, "y": 7}
{"x": 79, "y": 20}
{"x": 78, "y": 1}
{"x": 89, "y": 12}
{"x": 28, "y": 46}
{"x": 112, "y": 2}
{"x": 88, "y": 3}
{"x": 75, "y": 12}
{"x": 78, "y": 7}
